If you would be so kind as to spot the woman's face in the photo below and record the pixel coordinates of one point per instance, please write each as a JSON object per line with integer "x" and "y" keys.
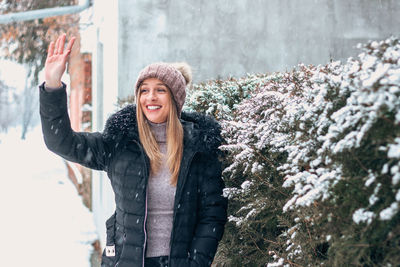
{"x": 155, "y": 100}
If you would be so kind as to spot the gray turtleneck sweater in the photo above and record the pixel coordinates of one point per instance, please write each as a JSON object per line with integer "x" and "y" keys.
{"x": 160, "y": 201}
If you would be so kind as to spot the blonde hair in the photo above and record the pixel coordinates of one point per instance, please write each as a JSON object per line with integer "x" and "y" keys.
{"x": 174, "y": 140}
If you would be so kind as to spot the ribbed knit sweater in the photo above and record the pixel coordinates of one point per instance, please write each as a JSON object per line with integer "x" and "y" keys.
{"x": 160, "y": 201}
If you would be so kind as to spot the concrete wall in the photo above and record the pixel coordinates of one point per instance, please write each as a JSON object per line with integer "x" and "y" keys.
{"x": 225, "y": 37}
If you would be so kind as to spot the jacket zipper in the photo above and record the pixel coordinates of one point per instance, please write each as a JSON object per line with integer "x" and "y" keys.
{"x": 145, "y": 206}
{"x": 144, "y": 228}
{"x": 173, "y": 219}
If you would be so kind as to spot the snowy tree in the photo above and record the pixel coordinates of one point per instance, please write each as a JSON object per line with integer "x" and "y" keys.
{"x": 8, "y": 106}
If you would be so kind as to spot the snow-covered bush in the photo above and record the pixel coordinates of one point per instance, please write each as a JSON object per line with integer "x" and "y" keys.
{"x": 262, "y": 126}
{"x": 343, "y": 162}
{"x": 220, "y": 98}
{"x": 313, "y": 170}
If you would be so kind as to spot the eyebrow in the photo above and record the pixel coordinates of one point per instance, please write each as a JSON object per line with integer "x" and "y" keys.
{"x": 156, "y": 84}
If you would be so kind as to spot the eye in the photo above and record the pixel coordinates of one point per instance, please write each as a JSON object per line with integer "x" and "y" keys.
{"x": 143, "y": 90}
{"x": 161, "y": 90}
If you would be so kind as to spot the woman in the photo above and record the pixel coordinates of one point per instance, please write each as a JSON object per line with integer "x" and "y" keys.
{"x": 162, "y": 163}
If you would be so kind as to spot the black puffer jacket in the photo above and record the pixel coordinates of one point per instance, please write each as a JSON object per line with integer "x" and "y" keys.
{"x": 199, "y": 209}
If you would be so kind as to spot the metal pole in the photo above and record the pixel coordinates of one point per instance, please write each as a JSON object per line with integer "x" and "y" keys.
{"x": 43, "y": 13}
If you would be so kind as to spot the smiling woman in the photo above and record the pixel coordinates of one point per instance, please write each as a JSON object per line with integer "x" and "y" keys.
{"x": 163, "y": 164}
{"x": 155, "y": 100}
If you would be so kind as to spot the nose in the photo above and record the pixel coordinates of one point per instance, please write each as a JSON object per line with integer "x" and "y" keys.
{"x": 152, "y": 95}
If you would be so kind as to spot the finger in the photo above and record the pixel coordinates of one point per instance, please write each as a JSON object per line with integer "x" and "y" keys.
{"x": 70, "y": 44}
{"x": 51, "y": 49}
{"x": 65, "y": 56}
{"x": 57, "y": 47}
{"x": 62, "y": 44}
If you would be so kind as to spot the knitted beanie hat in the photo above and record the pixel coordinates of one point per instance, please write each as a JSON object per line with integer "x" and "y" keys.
{"x": 176, "y": 77}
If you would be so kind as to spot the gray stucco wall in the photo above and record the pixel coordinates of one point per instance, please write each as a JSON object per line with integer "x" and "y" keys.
{"x": 225, "y": 37}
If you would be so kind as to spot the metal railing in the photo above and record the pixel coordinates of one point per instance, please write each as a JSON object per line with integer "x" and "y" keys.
{"x": 43, "y": 13}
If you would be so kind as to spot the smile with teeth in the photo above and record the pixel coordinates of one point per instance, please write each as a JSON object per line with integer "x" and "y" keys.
{"x": 153, "y": 107}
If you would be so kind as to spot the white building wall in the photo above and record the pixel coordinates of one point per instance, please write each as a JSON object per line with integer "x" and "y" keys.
{"x": 105, "y": 95}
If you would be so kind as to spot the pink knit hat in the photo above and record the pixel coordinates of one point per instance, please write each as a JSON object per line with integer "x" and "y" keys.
{"x": 176, "y": 77}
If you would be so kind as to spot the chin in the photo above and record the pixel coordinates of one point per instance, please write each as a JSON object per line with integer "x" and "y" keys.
{"x": 156, "y": 120}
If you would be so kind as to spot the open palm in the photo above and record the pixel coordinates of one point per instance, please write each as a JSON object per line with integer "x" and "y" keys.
{"x": 56, "y": 61}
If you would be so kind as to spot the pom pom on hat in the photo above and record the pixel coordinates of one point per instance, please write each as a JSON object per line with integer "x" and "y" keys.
{"x": 185, "y": 70}
{"x": 176, "y": 77}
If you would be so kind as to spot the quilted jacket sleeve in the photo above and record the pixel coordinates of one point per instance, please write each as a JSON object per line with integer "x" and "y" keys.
{"x": 212, "y": 215}
{"x": 87, "y": 149}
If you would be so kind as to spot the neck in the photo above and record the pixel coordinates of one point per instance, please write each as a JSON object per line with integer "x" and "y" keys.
{"x": 159, "y": 130}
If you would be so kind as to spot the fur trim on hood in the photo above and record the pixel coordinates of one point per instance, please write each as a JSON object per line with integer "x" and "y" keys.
{"x": 200, "y": 131}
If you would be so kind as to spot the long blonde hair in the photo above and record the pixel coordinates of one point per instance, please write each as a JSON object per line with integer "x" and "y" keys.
{"x": 174, "y": 140}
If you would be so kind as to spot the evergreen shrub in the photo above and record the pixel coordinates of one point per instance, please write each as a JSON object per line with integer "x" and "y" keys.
{"x": 313, "y": 170}
{"x": 220, "y": 98}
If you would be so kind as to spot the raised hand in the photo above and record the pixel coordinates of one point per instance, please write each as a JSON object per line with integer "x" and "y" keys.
{"x": 56, "y": 61}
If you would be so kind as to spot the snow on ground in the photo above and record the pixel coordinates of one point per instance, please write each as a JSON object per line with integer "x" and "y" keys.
{"x": 43, "y": 221}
